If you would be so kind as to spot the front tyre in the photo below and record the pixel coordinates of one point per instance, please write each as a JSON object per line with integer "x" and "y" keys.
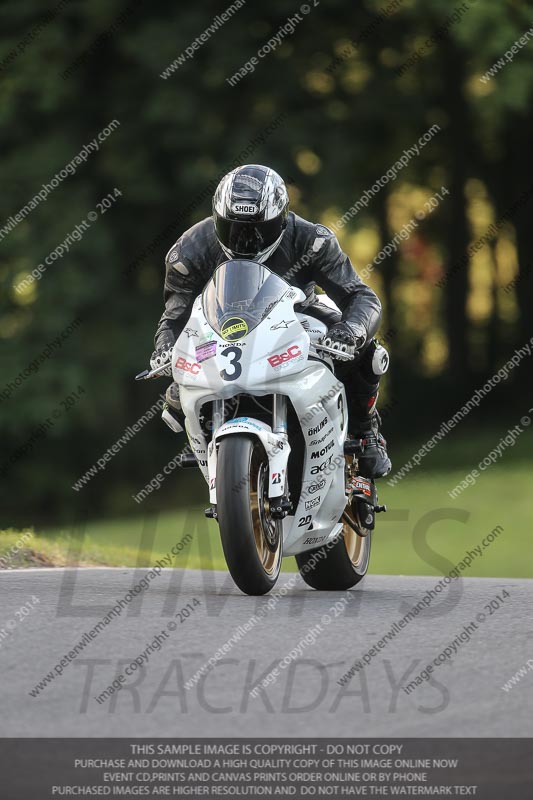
{"x": 252, "y": 541}
{"x": 341, "y": 566}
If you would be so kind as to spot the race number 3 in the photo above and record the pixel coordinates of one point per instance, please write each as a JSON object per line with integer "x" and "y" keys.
{"x": 235, "y": 354}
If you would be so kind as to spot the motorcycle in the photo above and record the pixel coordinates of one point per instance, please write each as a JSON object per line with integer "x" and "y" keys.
{"x": 267, "y": 425}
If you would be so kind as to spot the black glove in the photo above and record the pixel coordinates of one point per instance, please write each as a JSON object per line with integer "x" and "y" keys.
{"x": 163, "y": 353}
{"x": 346, "y": 337}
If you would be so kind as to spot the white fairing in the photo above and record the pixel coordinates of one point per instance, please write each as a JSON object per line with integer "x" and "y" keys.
{"x": 271, "y": 359}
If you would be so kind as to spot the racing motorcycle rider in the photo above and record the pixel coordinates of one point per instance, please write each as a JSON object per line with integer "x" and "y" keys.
{"x": 251, "y": 220}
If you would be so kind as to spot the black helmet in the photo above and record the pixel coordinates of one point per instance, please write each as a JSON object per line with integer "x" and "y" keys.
{"x": 250, "y": 209}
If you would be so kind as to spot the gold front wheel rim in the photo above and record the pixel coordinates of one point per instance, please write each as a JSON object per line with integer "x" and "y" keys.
{"x": 260, "y": 508}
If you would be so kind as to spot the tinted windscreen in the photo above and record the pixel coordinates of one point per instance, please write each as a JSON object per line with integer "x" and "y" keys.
{"x": 239, "y": 296}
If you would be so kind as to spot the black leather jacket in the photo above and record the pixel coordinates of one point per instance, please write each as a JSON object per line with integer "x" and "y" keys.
{"x": 307, "y": 255}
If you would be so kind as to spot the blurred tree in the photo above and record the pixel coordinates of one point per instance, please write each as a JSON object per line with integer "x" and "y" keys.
{"x": 347, "y": 116}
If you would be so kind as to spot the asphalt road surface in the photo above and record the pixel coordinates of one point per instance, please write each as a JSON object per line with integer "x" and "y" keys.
{"x": 462, "y": 697}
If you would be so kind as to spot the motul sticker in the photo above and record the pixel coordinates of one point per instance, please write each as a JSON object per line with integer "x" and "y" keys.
{"x": 327, "y": 447}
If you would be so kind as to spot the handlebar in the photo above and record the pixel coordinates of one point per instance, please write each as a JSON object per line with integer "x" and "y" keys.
{"x": 147, "y": 374}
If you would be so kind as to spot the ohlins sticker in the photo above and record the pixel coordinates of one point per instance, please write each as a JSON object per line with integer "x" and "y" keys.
{"x": 234, "y": 328}
{"x": 188, "y": 366}
{"x": 314, "y": 431}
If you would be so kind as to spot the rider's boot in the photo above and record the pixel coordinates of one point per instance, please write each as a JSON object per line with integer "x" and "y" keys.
{"x": 173, "y": 405}
{"x": 365, "y": 424}
{"x": 361, "y": 380}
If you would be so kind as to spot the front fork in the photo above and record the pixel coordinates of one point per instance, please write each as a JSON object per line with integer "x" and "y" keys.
{"x": 217, "y": 420}
{"x": 279, "y": 414}
{"x": 218, "y": 415}
{"x": 280, "y": 506}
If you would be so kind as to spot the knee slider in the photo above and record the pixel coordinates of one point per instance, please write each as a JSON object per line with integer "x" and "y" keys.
{"x": 172, "y": 396}
{"x": 374, "y": 362}
{"x": 380, "y": 359}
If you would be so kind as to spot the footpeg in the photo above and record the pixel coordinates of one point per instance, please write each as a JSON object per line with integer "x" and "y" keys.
{"x": 354, "y": 447}
{"x": 211, "y": 512}
{"x": 365, "y": 514}
{"x": 379, "y": 509}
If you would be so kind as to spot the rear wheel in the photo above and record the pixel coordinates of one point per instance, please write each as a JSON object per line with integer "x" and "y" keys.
{"x": 341, "y": 566}
{"x": 252, "y": 541}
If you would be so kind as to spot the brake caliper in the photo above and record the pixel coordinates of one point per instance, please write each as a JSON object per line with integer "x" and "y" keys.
{"x": 280, "y": 507}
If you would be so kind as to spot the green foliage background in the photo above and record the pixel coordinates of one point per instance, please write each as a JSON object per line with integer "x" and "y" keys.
{"x": 342, "y": 129}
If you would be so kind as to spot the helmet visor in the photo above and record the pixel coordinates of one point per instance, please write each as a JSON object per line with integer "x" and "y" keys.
{"x": 248, "y": 238}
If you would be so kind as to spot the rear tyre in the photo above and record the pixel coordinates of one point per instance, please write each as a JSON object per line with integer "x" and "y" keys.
{"x": 341, "y": 566}
{"x": 252, "y": 541}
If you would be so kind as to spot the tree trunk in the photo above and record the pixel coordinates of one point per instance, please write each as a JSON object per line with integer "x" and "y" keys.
{"x": 457, "y": 234}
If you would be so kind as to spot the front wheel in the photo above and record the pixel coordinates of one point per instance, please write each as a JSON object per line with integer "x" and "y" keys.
{"x": 252, "y": 541}
{"x": 340, "y": 566}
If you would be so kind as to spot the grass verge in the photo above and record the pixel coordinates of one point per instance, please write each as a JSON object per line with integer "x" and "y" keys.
{"x": 425, "y": 532}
